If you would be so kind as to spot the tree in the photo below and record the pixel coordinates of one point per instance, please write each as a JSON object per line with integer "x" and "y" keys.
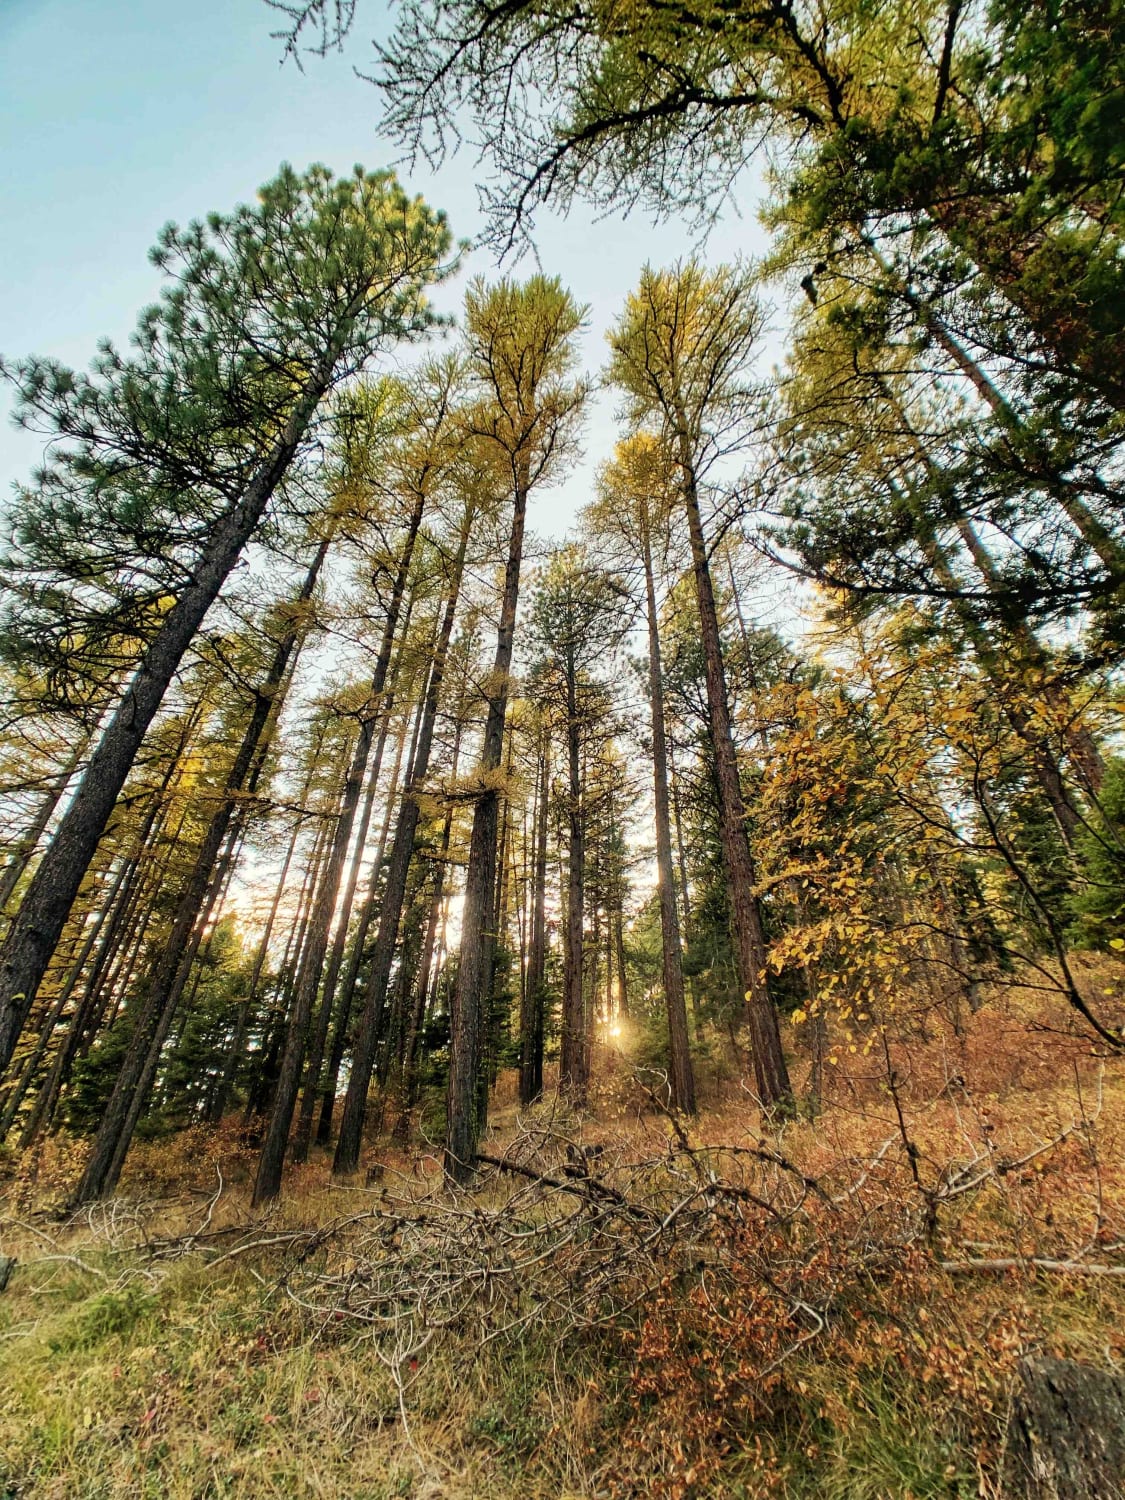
{"x": 521, "y": 351}
{"x": 269, "y": 308}
{"x": 988, "y": 128}
{"x": 402, "y": 848}
{"x": 637, "y": 495}
{"x": 979, "y": 459}
{"x": 195, "y": 905}
{"x": 680, "y": 355}
{"x": 422, "y": 453}
{"x": 578, "y": 615}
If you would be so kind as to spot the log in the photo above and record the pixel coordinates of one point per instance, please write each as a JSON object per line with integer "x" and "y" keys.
{"x": 1067, "y": 1435}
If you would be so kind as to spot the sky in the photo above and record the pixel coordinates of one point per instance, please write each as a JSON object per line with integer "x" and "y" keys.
{"x": 118, "y": 115}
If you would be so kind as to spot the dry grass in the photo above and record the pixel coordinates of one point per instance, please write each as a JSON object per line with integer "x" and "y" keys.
{"x": 832, "y": 1309}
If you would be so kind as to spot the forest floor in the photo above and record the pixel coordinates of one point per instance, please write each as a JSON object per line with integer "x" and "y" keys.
{"x": 833, "y": 1308}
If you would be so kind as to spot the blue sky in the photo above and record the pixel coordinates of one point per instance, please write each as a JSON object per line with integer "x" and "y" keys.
{"x": 118, "y": 115}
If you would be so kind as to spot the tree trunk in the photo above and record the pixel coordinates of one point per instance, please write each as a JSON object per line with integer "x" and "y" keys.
{"x": 770, "y": 1071}
{"x": 368, "y": 1028}
{"x": 51, "y": 1023}
{"x": 1101, "y": 541}
{"x": 684, "y": 887}
{"x": 117, "y": 953}
{"x": 345, "y": 997}
{"x": 268, "y": 1181}
{"x": 292, "y": 963}
{"x": 1066, "y": 1440}
{"x": 681, "y": 1076}
{"x": 422, "y": 985}
{"x": 25, "y": 849}
{"x": 474, "y": 973}
{"x": 622, "y": 978}
{"x": 531, "y": 1022}
{"x": 319, "y": 1037}
{"x": 238, "y": 1042}
{"x": 572, "y": 1059}
{"x": 192, "y": 914}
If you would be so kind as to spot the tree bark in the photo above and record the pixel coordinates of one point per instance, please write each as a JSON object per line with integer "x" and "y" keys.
{"x": 681, "y": 868}
{"x": 1067, "y": 1435}
{"x": 25, "y": 849}
{"x": 463, "y": 1122}
{"x": 51, "y": 1022}
{"x": 426, "y": 963}
{"x": 572, "y": 1061}
{"x": 770, "y": 1071}
{"x": 531, "y": 1022}
{"x": 242, "y": 1025}
{"x": 681, "y": 1075}
{"x": 192, "y": 914}
{"x": 268, "y": 1181}
{"x": 319, "y": 1037}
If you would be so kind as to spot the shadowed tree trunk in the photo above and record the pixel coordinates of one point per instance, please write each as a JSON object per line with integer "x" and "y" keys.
{"x": 246, "y": 1009}
{"x": 425, "y": 966}
{"x": 319, "y": 1036}
{"x": 572, "y": 1060}
{"x": 770, "y": 1071}
{"x": 267, "y": 1183}
{"x": 25, "y": 850}
{"x": 474, "y": 972}
{"x": 192, "y": 913}
{"x": 531, "y": 1019}
{"x": 368, "y": 1027}
{"x": 51, "y": 1021}
{"x": 682, "y": 1078}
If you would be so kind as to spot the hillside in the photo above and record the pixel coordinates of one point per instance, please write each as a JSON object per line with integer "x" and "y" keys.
{"x": 833, "y": 1309}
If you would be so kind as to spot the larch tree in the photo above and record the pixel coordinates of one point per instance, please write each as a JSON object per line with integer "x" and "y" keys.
{"x": 634, "y": 506}
{"x": 681, "y": 354}
{"x": 367, "y": 1030}
{"x": 985, "y": 128}
{"x": 417, "y": 453}
{"x": 579, "y": 614}
{"x": 198, "y": 897}
{"x": 521, "y": 351}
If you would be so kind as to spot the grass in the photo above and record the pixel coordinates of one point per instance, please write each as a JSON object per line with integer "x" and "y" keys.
{"x": 127, "y": 1370}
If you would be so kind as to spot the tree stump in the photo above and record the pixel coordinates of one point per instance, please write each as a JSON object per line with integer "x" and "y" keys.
{"x": 1067, "y": 1437}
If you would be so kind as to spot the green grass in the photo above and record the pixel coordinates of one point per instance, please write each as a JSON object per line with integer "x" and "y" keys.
{"x": 185, "y": 1383}
{"x": 124, "y": 1375}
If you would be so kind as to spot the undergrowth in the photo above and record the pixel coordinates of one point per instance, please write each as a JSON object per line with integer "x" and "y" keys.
{"x": 833, "y": 1309}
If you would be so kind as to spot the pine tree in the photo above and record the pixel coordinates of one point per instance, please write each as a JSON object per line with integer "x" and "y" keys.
{"x": 269, "y": 308}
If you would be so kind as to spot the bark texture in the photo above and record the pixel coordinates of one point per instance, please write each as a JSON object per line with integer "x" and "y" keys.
{"x": 1067, "y": 1436}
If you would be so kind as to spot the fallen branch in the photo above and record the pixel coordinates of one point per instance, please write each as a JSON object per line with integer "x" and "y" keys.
{"x": 580, "y": 1187}
{"x": 1032, "y": 1262}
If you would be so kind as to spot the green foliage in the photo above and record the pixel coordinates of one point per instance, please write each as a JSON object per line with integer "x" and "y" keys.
{"x": 150, "y": 445}
{"x": 108, "y": 1315}
{"x": 94, "y": 1076}
{"x": 1099, "y": 904}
